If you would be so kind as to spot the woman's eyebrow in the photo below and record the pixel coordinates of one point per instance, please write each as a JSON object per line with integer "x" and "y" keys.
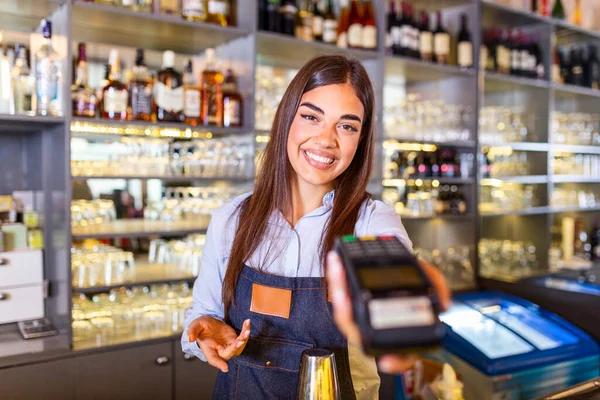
{"x": 351, "y": 117}
{"x": 312, "y": 107}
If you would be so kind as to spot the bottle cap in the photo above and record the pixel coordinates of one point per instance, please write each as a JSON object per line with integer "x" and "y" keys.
{"x": 168, "y": 59}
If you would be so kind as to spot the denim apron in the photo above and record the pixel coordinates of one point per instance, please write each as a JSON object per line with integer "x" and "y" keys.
{"x": 269, "y": 366}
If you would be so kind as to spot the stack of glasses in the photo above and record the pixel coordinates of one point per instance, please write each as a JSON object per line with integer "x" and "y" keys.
{"x": 576, "y": 128}
{"x": 86, "y": 213}
{"x": 101, "y": 266}
{"x": 454, "y": 262}
{"x": 501, "y": 125}
{"x": 125, "y": 315}
{"x": 506, "y": 258}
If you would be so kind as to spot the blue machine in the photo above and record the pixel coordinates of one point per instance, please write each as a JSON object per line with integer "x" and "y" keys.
{"x": 506, "y": 348}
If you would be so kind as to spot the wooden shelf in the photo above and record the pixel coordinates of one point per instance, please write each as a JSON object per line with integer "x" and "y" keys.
{"x": 140, "y": 228}
{"x": 285, "y": 51}
{"x": 415, "y": 70}
{"x": 146, "y": 274}
{"x": 122, "y": 27}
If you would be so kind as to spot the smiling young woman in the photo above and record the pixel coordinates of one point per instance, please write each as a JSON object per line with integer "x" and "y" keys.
{"x": 260, "y": 297}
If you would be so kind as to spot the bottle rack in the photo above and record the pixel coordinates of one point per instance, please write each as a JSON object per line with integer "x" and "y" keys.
{"x": 38, "y": 157}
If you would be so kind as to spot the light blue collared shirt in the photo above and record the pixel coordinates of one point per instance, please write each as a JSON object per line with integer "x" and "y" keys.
{"x": 285, "y": 251}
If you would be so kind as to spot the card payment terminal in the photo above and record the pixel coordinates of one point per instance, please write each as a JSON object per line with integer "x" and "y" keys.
{"x": 395, "y": 305}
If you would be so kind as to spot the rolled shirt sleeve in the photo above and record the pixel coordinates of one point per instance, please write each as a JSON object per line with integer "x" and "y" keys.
{"x": 381, "y": 219}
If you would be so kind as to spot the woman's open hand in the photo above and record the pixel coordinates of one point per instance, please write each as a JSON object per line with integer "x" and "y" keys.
{"x": 217, "y": 340}
{"x": 342, "y": 307}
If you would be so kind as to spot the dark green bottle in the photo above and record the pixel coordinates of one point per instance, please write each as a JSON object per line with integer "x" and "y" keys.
{"x": 558, "y": 11}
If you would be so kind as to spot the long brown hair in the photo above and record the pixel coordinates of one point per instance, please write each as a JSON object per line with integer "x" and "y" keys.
{"x": 273, "y": 189}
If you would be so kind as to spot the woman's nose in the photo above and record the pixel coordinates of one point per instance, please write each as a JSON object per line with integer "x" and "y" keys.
{"x": 326, "y": 137}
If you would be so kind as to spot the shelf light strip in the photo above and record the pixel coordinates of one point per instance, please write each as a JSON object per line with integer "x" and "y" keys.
{"x": 171, "y": 132}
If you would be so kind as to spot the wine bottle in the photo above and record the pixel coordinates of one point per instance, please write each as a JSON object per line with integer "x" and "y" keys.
{"x": 273, "y": 16}
{"x": 577, "y": 13}
{"x": 288, "y": 17}
{"x": 343, "y": 25}
{"x": 405, "y": 32}
{"x": 415, "y": 33}
{"x": 317, "y": 22}
{"x": 369, "y": 31}
{"x": 389, "y": 29}
{"x": 595, "y": 240}
{"x": 425, "y": 38}
{"x": 558, "y": 11}
{"x": 441, "y": 40}
{"x": 465, "y": 46}
{"x": 330, "y": 25}
{"x": 594, "y": 68}
{"x": 355, "y": 27}
{"x": 576, "y": 67}
{"x": 515, "y": 53}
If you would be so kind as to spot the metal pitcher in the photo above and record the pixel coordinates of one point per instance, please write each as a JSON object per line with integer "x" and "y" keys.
{"x": 318, "y": 376}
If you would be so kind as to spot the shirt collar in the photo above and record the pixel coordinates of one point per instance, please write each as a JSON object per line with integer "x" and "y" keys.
{"x": 328, "y": 199}
{"x": 277, "y": 217}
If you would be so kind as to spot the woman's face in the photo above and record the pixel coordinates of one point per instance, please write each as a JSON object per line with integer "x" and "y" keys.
{"x": 324, "y": 134}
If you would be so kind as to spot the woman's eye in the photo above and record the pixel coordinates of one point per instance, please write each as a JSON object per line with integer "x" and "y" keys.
{"x": 309, "y": 117}
{"x": 349, "y": 128}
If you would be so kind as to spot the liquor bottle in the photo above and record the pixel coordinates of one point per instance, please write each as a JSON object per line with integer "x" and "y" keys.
{"x": 48, "y": 75}
{"x": 577, "y": 13}
{"x": 137, "y": 5}
{"x": 576, "y": 67}
{"x": 273, "y": 16}
{"x": 317, "y": 21}
{"x": 194, "y": 10}
{"x": 565, "y": 66}
{"x": 344, "y": 24}
{"x": 595, "y": 240}
{"x": 330, "y": 25}
{"x": 232, "y": 101}
{"x": 212, "y": 92}
{"x": 458, "y": 204}
{"x": 355, "y": 26}
{"x": 503, "y": 54}
{"x": 465, "y": 46}
{"x": 191, "y": 96}
{"x": 369, "y": 31}
{"x": 217, "y": 12}
{"x": 441, "y": 42}
{"x": 171, "y": 7}
{"x": 114, "y": 94}
{"x": 83, "y": 97}
{"x": 140, "y": 90}
{"x": 593, "y": 67}
{"x": 540, "y": 67}
{"x": 558, "y": 11}
{"x": 6, "y": 91}
{"x": 544, "y": 10}
{"x": 168, "y": 91}
{"x": 556, "y": 73}
{"x": 425, "y": 38}
{"x": 288, "y": 17}
{"x": 23, "y": 84}
{"x": 534, "y": 6}
{"x": 396, "y": 29}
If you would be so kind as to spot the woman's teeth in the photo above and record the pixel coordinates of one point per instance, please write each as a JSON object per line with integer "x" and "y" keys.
{"x": 320, "y": 159}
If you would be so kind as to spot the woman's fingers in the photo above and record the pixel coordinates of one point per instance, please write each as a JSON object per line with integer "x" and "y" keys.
{"x": 235, "y": 347}
{"x": 393, "y": 364}
{"x": 209, "y": 348}
{"x": 439, "y": 283}
{"x": 342, "y": 305}
{"x": 194, "y": 329}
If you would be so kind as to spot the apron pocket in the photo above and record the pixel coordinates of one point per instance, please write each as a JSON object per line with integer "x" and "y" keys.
{"x": 268, "y": 368}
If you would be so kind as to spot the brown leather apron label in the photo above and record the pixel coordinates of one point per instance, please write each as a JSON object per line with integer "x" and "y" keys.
{"x": 269, "y": 300}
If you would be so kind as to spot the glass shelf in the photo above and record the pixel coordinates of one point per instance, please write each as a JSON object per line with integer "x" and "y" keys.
{"x": 140, "y": 228}
{"x": 565, "y": 209}
{"x": 198, "y": 180}
{"x": 568, "y": 148}
{"x": 441, "y": 181}
{"x": 146, "y": 274}
{"x": 25, "y": 123}
{"x": 524, "y": 179}
{"x": 25, "y": 15}
{"x": 528, "y": 211}
{"x": 496, "y": 82}
{"x": 520, "y": 146}
{"x": 416, "y": 70}
{"x": 574, "y": 179}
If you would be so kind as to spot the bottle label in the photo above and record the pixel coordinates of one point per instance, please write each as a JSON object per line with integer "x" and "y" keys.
{"x": 330, "y": 30}
{"x": 317, "y": 26}
{"x": 213, "y": 106}
{"x": 426, "y": 43}
{"x": 217, "y": 7}
{"x": 342, "y": 40}
{"x": 171, "y": 6}
{"x": 232, "y": 115}
{"x": 396, "y": 33}
{"x": 515, "y": 60}
{"x": 47, "y": 80}
{"x": 465, "y": 54}
{"x": 191, "y": 107}
{"x": 483, "y": 57}
{"x": 405, "y": 37}
{"x": 115, "y": 101}
{"x": 369, "y": 37}
{"x": 526, "y": 64}
{"x": 194, "y": 8}
{"x": 307, "y": 28}
{"x": 141, "y": 99}
{"x": 168, "y": 99}
{"x": 416, "y": 39}
{"x": 441, "y": 44}
{"x": 355, "y": 35}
